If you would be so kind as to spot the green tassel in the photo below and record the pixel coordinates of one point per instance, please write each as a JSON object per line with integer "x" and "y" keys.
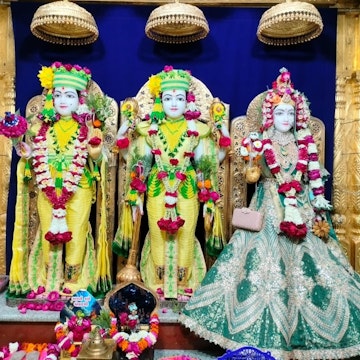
{"x": 27, "y": 172}
{"x": 96, "y": 173}
{"x": 157, "y": 113}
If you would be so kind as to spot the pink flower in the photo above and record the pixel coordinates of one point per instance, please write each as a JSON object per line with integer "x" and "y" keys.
{"x": 152, "y": 132}
{"x": 292, "y": 230}
{"x": 95, "y": 141}
{"x": 203, "y": 195}
{"x": 181, "y": 176}
{"x": 56, "y": 64}
{"x": 123, "y": 143}
{"x": 224, "y": 141}
{"x": 162, "y": 174}
{"x": 156, "y": 151}
{"x": 190, "y": 97}
{"x": 31, "y": 295}
{"x": 40, "y": 290}
{"x": 138, "y": 185}
{"x": 68, "y": 67}
{"x": 189, "y": 154}
{"x": 192, "y": 133}
{"x": 174, "y": 162}
{"x": 168, "y": 68}
{"x": 214, "y": 196}
{"x": 53, "y": 296}
{"x": 123, "y": 317}
{"x": 192, "y": 115}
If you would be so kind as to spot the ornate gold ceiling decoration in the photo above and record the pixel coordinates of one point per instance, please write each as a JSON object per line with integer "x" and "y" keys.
{"x": 176, "y": 23}
{"x": 65, "y": 23}
{"x": 289, "y": 23}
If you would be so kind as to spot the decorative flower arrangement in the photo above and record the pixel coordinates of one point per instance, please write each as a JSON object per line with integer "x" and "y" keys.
{"x": 218, "y": 113}
{"x": 47, "y": 351}
{"x": 251, "y": 148}
{"x": 129, "y": 110}
{"x": 101, "y": 107}
{"x": 206, "y": 192}
{"x": 137, "y": 183}
{"x": 71, "y": 334}
{"x": 136, "y": 342}
{"x": 13, "y": 126}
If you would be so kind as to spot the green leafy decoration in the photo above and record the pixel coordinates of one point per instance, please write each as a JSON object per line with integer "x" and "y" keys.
{"x": 100, "y": 104}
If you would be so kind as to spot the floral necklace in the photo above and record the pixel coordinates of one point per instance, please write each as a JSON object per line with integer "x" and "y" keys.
{"x": 58, "y": 232}
{"x": 171, "y": 222}
{"x": 135, "y": 343}
{"x": 292, "y": 225}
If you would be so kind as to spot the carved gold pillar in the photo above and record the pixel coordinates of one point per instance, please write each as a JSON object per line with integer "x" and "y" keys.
{"x": 346, "y": 180}
{"x": 7, "y": 103}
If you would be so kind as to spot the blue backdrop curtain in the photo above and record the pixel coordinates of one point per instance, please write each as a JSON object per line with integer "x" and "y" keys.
{"x": 231, "y": 61}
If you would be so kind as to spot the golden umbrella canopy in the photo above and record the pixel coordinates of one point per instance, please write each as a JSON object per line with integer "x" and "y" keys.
{"x": 65, "y": 23}
{"x": 290, "y": 23}
{"x": 177, "y": 23}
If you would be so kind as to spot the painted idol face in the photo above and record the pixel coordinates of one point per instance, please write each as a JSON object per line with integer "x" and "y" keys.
{"x": 174, "y": 103}
{"x": 66, "y": 100}
{"x": 284, "y": 117}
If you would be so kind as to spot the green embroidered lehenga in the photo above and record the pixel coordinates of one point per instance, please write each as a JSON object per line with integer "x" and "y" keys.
{"x": 298, "y": 301}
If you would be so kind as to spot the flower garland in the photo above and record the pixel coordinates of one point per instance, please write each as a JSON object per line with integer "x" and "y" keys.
{"x": 72, "y": 333}
{"x": 136, "y": 342}
{"x": 58, "y": 232}
{"x": 293, "y": 224}
{"x": 47, "y": 351}
{"x": 171, "y": 222}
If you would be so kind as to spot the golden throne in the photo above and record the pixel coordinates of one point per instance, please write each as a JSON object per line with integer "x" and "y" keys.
{"x": 145, "y": 102}
{"x": 240, "y": 127}
{"x": 29, "y": 226}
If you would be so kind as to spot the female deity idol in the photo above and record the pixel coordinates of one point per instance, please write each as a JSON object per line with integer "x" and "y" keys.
{"x": 288, "y": 289}
{"x": 178, "y": 156}
{"x": 65, "y": 150}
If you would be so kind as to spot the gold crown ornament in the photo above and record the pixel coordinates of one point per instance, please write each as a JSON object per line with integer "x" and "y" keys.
{"x": 64, "y": 23}
{"x": 177, "y": 23}
{"x": 289, "y": 23}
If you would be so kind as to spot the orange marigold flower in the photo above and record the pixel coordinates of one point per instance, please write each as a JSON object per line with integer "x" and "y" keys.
{"x": 142, "y": 343}
{"x": 207, "y": 184}
{"x": 124, "y": 345}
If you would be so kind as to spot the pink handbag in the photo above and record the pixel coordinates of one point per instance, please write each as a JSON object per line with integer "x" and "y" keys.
{"x": 247, "y": 219}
